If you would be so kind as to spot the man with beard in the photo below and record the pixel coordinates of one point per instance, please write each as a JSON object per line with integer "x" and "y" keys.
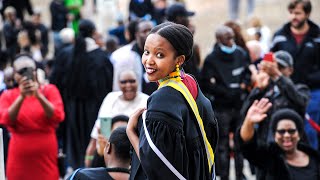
{"x": 301, "y": 38}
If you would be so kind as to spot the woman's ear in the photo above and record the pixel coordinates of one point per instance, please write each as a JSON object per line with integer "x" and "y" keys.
{"x": 181, "y": 59}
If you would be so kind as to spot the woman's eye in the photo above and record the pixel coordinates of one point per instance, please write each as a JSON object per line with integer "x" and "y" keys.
{"x": 159, "y": 55}
{"x": 146, "y": 52}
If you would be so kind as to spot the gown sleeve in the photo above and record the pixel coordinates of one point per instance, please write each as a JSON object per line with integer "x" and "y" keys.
{"x": 165, "y": 126}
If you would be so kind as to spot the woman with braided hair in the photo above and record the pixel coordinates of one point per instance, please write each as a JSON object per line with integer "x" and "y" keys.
{"x": 88, "y": 81}
{"x": 177, "y": 135}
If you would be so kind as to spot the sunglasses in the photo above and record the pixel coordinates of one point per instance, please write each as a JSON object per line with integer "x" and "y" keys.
{"x": 131, "y": 81}
{"x": 283, "y": 131}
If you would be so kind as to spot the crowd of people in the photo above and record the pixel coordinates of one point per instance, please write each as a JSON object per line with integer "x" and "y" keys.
{"x": 139, "y": 105}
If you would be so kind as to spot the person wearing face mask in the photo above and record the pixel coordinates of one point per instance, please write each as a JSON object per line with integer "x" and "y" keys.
{"x": 287, "y": 158}
{"x": 221, "y": 77}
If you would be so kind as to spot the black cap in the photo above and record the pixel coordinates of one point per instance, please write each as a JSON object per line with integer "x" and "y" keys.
{"x": 283, "y": 58}
{"x": 177, "y": 9}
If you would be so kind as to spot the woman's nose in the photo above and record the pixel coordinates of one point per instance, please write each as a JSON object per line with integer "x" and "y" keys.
{"x": 149, "y": 60}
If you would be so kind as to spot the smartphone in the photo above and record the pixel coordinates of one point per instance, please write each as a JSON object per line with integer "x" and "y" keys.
{"x": 268, "y": 57}
{"x": 28, "y": 72}
{"x": 105, "y": 127}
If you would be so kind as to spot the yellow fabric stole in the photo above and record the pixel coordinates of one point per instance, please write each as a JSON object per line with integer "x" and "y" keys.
{"x": 177, "y": 84}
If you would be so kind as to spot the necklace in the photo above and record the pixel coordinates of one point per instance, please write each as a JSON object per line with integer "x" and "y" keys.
{"x": 178, "y": 75}
{"x": 118, "y": 169}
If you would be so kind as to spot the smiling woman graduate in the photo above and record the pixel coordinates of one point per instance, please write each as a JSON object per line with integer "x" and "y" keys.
{"x": 178, "y": 134}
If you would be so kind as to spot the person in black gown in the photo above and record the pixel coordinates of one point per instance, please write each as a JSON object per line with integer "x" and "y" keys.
{"x": 170, "y": 122}
{"x": 89, "y": 80}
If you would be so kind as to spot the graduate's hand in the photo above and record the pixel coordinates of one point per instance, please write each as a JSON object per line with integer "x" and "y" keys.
{"x": 131, "y": 130}
{"x": 133, "y": 120}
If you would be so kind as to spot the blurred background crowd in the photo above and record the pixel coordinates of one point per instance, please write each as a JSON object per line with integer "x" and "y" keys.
{"x": 86, "y": 59}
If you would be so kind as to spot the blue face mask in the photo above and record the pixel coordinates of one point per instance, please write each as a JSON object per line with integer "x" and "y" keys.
{"x": 227, "y": 49}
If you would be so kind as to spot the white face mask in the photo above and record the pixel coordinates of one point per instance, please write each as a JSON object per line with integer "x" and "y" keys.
{"x": 227, "y": 49}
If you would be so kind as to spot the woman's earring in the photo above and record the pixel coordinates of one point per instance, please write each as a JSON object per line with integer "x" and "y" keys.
{"x": 177, "y": 68}
{"x": 178, "y": 71}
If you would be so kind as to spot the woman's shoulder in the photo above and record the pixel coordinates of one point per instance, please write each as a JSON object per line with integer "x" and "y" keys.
{"x": 11, "y": 92}
{"x": 113, "y": 95}
{"x": 309, "y": 151}
{"x": 166, "y": 92}
{"x": 142, "y": 95}
{"x": 99, "y": 56}
{"x": 166, "y": 96}
{"x": 49, "y": 86}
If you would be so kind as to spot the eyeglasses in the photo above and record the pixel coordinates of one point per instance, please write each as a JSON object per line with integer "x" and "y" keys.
{"x": 131, "y": 81}
{"x": 283, "y": 131}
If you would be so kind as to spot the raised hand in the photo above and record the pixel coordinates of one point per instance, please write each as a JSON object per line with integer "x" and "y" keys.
{"x": 262, "y": 80}
{"x": 271, "y": 68}
{"x": 255, "y": 114}
{"x": 257, "y": 111}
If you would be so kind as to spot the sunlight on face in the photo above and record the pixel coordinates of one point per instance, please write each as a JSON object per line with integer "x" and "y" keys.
{"x": 159, "y": 57}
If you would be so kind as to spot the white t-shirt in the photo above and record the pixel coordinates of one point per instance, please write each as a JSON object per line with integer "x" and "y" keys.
{"x": 114, "y": 105}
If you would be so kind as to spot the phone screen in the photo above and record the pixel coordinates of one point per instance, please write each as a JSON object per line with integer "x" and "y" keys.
{"x": 105, "y": 128}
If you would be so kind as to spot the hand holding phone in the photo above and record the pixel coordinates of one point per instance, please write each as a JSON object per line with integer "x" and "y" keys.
{"x": 268, "y": 57}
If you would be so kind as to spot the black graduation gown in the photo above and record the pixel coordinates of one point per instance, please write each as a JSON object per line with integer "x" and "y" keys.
{"x": 174, "y": 130}
{"x": 83, "y": 102}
